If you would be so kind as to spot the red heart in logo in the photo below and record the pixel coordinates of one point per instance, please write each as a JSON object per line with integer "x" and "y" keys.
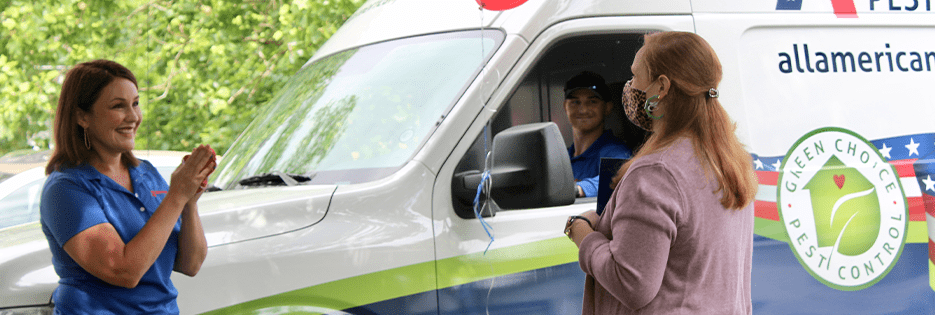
{"x": 839, "y": 180}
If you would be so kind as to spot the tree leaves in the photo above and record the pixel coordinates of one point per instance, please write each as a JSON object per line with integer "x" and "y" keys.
{"x": 203, "y": 67}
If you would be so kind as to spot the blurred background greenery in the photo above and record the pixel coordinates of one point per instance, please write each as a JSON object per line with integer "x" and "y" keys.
{"x": 204, "y": 66}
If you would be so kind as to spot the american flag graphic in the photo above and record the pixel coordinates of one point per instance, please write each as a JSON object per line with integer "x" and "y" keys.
{"x": 788, "y": 4}
{"x": 913, "y": 157}
{"x": 842, "y": 8}
{"x": 924, "y": 168}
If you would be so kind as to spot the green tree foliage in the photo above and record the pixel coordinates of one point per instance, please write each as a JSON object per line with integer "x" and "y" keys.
{"x": 203, "y": 67}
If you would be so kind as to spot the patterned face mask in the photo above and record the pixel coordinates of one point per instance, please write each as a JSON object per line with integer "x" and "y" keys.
{"x": 633, "y": 101}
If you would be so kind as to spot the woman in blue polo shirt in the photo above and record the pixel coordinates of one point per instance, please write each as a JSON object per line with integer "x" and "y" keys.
{"x": 115, "y": 228}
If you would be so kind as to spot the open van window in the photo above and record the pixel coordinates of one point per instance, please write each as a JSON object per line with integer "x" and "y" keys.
{"x": 360, "y": 114}
{"x": 540, "y": 96}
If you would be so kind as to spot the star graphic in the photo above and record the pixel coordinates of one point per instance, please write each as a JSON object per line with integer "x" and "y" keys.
{"x": 759, "y": 164}
{"x": 886, "y": 151}
{"x": 929, "y": 183}
{"x": 913, "y": 147}
{"x": 777, "y": 164}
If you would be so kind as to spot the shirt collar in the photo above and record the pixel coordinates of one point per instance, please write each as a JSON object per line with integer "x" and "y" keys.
{"x": 88, "y": 172}
{"x": 594, "y": 148}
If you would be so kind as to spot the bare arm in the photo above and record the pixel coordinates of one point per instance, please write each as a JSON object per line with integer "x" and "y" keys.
{"x": 100, "y": 250}
{"x": 193, "y": 247}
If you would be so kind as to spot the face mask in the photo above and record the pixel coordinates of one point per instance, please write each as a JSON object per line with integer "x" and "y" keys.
{"x": 633, "y": 102}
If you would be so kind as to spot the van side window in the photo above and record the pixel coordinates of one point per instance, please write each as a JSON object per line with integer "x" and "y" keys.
{"x": 540, "y": 95}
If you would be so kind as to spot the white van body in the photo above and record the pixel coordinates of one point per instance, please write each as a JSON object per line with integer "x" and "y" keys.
{"x": 808, "y": 82}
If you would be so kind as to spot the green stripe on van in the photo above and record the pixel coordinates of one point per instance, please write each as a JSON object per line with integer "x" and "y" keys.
{"x": 503, "y": 261}
{"x": 342, "y": 294}
{"x": 918, "y": 232}
{"x": 931, "y": 275}
{"x": 771, "y": 229}
{"x": 412, "y": 279}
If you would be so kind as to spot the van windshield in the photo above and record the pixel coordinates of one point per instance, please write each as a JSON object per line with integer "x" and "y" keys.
{"x": 360, "y": 114}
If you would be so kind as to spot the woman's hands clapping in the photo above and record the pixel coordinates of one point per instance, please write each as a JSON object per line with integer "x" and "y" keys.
{"x": 189, "y": 178}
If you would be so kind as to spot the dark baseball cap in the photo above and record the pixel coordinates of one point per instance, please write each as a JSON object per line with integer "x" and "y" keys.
{"x": 588, "y": 80}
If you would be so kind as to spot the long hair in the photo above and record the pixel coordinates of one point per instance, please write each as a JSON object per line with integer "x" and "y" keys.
{"x": 693, "y": 68}
{"x": 81, "y": 89}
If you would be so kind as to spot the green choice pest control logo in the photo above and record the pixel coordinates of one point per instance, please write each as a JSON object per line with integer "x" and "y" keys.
{"x": 843, "y": 208}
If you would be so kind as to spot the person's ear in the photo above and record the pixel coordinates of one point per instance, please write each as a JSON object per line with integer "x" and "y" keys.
{"x": 83, "y": 118}
{"x": 608, "y": 107}
{"x": 664, "y": 84}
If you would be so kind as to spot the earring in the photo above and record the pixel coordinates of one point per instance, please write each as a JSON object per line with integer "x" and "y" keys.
{"x": 650, "y": 106}
{"x": 87, "y": 143}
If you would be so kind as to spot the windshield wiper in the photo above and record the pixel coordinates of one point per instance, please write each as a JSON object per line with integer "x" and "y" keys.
{"x": 274, "y": 178}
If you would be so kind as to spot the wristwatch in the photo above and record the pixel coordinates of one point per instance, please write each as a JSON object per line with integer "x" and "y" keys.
{"x": 571, "y": 220}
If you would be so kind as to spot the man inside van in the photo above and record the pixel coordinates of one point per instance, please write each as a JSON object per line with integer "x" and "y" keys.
{"x": 587, "y": 102}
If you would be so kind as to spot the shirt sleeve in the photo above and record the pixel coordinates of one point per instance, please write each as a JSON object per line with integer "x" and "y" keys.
{"x": 643, "y": 227}
{"x": 589, "y": 186}
{"x": 68, "y": 208}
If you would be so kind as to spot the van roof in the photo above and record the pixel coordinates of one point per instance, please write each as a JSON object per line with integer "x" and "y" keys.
{"x": 381, "y": 20}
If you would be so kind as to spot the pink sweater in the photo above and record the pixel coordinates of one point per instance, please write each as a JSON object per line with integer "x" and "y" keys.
{"x": 666, "y": 245}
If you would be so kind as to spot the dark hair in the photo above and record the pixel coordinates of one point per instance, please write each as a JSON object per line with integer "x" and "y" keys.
{"x": 693, "y": 68}
{"x": 81, "y": 89}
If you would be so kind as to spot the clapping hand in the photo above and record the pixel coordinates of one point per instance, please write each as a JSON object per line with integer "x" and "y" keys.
{"x": 191, "y": 177}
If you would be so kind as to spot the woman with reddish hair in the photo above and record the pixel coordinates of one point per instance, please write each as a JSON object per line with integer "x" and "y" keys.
{"x": 676, "y": 236}
{"x": 115, "y": 228}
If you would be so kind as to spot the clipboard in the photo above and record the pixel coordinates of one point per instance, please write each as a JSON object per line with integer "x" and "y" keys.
{"x": 609, "y": 168}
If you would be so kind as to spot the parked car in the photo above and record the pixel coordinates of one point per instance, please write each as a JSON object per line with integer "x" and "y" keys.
{"x": 20, "y": 193}
{"x": 19, "y": 161}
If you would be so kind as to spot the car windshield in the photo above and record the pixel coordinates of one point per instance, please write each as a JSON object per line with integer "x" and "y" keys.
{"x": 360, "y": 114}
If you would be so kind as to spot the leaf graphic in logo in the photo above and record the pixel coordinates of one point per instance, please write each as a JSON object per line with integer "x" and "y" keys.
{"x": 847, "y": 213}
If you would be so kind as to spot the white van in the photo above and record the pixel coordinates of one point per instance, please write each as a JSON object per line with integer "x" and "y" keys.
{"x": 352, "y": 192}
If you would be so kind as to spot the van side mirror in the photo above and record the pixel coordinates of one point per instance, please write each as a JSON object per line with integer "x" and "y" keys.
{"x": 529, "y": 169}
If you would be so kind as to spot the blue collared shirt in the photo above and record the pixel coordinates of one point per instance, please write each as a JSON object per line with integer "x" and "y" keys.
{"x": 77, "y": 198}
{"x": 587, "y": 166}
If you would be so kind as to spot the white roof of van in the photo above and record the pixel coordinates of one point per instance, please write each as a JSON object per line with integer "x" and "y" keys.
{"x": 381, "y": 20}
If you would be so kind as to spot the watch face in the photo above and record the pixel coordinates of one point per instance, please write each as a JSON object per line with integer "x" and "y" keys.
{"x": 568, "y": 225}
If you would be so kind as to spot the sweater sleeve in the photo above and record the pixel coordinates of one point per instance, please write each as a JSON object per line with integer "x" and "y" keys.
{"x": 643, "y": 226}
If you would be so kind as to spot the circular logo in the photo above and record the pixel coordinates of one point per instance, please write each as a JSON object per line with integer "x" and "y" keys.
{"x": 843, "y": 208}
